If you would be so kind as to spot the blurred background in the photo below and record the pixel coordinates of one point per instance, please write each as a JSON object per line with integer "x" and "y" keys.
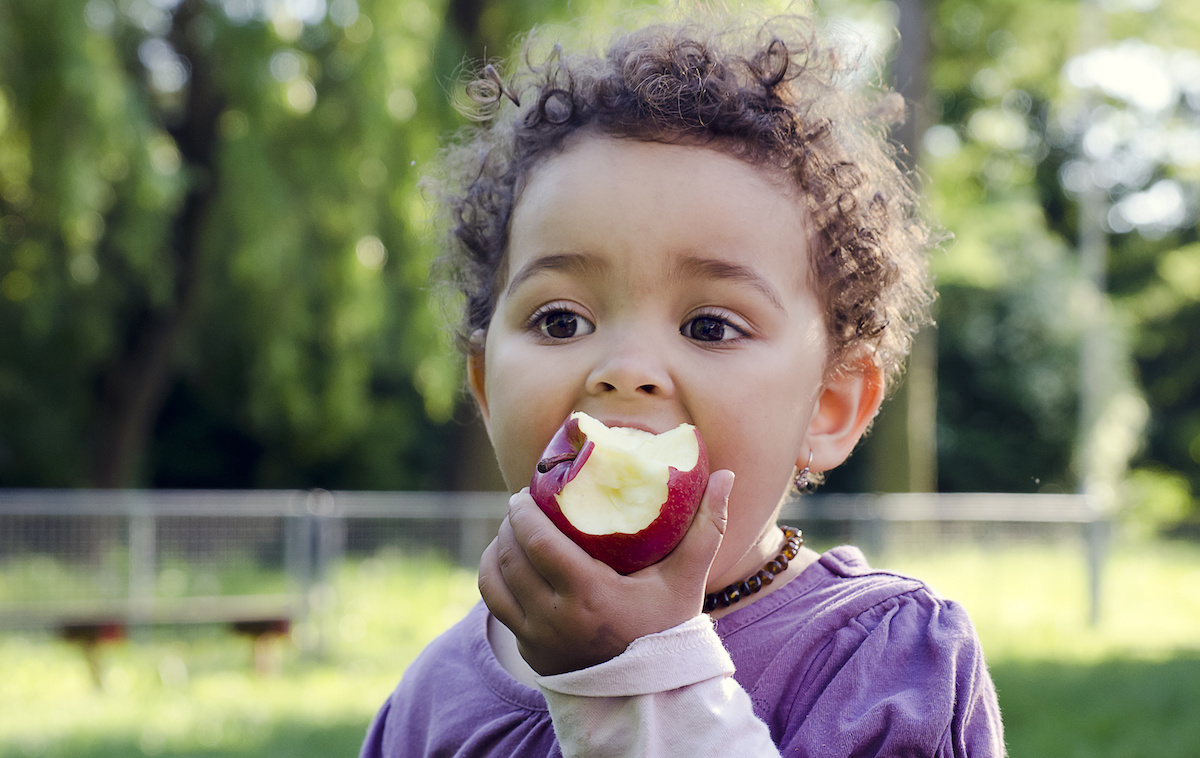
{"x": 215, "y": 277}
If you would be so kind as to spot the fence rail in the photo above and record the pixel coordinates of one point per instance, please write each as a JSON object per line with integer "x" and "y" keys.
{"x": 302, "y": 534}
{"x": 974, "y": 506}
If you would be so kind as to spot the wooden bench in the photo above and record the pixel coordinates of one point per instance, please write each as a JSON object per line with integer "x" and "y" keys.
{"x": 262, "y": 618}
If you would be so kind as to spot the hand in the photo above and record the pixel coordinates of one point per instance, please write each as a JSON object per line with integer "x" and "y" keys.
{"x": 570, "y": 611}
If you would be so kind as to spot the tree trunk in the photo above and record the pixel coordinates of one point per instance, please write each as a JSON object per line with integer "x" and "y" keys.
{"x": 903, "y": 446}
{"x": 134, "y": 386}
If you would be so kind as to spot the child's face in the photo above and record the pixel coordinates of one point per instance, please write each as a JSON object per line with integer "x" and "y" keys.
{"x": 649, "y": 285}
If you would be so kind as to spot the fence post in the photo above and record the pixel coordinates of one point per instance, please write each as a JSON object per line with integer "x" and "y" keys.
{"x": 143, "y": 546}
{"x": 1096, "y": 536}
{"x": 476, "y": 528}
{"x": 325, "y": 538}
{"x": 297, "y": 552}
{"x": 876, "y": 525}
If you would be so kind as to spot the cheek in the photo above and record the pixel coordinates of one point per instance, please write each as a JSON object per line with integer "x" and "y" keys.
{"x": 526, "y": 410}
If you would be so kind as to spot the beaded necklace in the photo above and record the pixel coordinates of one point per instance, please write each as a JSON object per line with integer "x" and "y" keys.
{"x": 743, "y": 589}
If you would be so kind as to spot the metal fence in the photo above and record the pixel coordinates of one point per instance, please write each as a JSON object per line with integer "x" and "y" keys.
{"x": 93, "y": 560}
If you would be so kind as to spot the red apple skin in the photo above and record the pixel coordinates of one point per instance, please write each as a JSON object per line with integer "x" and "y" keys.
{"x": 624, "y": 552}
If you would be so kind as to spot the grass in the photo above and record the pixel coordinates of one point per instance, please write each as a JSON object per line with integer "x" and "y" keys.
{"x": 1125, "y": 688}
{"x": 195, "y": 693}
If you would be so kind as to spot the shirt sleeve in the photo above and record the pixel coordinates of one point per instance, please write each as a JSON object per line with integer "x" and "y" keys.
{"x": 372, "y": 746}
{"x": 907, "y": 677}
{"x": 668, "y": 694}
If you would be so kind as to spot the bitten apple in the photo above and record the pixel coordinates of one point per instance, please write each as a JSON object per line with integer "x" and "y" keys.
{"x": 624, "y": 495}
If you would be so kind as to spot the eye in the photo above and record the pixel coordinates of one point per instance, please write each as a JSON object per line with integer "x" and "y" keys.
{"x": 561, "y": 324}
{"x": 710, "y": 328}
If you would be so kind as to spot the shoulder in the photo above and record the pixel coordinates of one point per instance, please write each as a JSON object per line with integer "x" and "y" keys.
{"x": 410, "y": 710}
{"x": 868, "y": 601}
{"x": 856, "y": 613}
{"x": 907, "y": 672}
{"x": 840, "y": 590}
{"x": 864, "y": 656}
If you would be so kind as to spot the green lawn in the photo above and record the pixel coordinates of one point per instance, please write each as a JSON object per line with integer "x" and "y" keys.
{"x": 1129, "y": 687}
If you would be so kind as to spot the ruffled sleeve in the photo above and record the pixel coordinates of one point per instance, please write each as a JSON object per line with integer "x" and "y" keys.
{"x": 865, "y": 664}
{"x": 905, "y": 677}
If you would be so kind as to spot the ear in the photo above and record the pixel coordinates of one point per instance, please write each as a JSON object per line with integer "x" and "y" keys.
{"x": 849, "y": 400}
{"x": 476, "y": 373}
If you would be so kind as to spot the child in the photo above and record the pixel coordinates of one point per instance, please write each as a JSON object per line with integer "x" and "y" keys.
{"x": 703, "y": 227}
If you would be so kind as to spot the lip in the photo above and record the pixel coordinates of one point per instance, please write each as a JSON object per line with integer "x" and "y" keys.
{"x": 630, "y": 424}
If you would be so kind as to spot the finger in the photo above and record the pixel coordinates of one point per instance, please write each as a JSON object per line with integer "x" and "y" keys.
{"x": 495, "y": 592}
{"x": 555, "y": 557}
{"x": 694, "y": 554}
{"x": 520, "y": 574}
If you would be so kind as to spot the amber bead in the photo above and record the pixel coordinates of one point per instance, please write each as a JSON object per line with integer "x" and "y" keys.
{"x": 739, "y": 590}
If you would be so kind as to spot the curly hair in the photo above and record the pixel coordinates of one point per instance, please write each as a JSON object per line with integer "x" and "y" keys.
{"x": 774, "y": 96}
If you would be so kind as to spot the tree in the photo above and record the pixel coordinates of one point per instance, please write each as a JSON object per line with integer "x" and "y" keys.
{"x": 211, "y": 210}
{"x": 214, "y": 258}
{"x": 1017, "y": 129}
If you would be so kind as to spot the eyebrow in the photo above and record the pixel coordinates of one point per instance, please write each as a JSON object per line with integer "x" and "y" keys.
{"x": 570, "y": 263}
{"x": 687, "y": 267}
{"x": 696, "y": 267}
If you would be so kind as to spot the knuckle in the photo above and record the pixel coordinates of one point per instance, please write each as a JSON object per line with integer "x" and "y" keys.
{"x": 485, "y": 583}
{"x": 508, "y": 556}
{"x": 539, "y": 542}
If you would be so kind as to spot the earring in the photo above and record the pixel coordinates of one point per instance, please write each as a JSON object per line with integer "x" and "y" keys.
{"x": 801, "y": 480}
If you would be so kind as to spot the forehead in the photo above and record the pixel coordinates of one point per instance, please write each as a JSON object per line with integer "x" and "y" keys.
{"x": 663, "y": 199}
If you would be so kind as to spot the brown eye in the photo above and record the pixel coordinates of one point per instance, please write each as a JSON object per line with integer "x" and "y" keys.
{"x": 708, "y": 329}
{"x": 563, "y": 325}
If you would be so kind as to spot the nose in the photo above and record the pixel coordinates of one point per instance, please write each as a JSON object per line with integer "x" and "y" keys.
{"x": 631, "y": 365}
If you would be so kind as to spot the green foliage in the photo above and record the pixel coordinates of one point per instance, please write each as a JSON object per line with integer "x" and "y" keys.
{"x": 214, "y": 260}
{"x": 1157, "y": 498}
{"x": 1014, "y": 311}
{"x": 1007, "y": 328}
{"x": 1156, "y": 285}
{"x": 218, "y": 212}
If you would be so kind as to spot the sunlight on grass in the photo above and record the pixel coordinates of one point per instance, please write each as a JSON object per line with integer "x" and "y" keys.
{"x": 1031, "y": 602}
{"x": 197, "y": 694}
{"x": 1067, "y": 688}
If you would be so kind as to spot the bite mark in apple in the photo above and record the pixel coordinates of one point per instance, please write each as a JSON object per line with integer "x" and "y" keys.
{"x": 626, "y": 496}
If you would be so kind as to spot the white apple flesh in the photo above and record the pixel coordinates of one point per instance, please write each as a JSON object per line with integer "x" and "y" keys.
{"x": 626, "y": 496}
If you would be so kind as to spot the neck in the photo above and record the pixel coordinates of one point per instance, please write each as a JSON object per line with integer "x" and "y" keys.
{"x": 765, "y": 547}
{"x": 786, "y": 563}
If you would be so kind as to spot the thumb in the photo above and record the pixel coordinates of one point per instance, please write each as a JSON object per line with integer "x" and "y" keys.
{"x": 695, "y": 552}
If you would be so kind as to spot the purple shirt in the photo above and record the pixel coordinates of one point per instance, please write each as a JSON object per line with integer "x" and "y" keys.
{"x": 843, "y": 660}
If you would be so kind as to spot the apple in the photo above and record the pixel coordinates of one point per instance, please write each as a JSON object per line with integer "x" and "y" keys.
{"x": 626, "y": 496}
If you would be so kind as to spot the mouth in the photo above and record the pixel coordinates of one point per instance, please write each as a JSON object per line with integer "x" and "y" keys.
{"x": 643, "y": 426}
